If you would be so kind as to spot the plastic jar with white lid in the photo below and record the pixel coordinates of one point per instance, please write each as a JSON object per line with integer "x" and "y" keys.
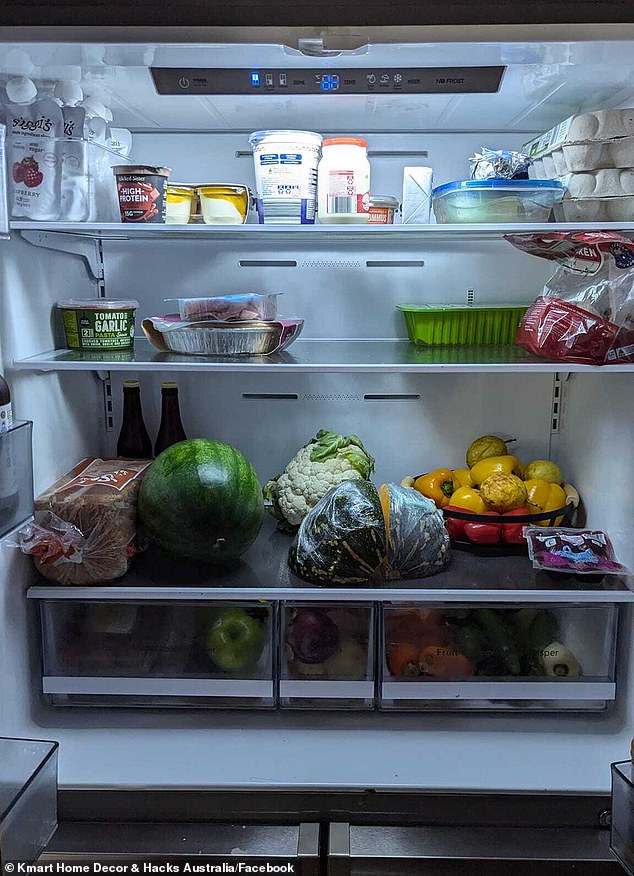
{"x": 343, "y": 181}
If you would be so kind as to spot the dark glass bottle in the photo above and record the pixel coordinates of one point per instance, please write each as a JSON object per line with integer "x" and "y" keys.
{"x": 171, "y": 429}
{"x": 134, "y": 441}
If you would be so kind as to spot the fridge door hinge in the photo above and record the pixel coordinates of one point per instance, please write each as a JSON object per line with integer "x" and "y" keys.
{"x": 89, "y": 249}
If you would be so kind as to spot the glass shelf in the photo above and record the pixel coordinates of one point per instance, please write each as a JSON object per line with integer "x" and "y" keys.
{"x": 376, "y": 233}
{"x": 264, "y": 574}
{"x": 319, "y": 355}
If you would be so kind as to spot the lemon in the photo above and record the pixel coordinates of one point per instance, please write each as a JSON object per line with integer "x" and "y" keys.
{"x": 481, "y": 448}
{"x": 543, "y": 470}
{"x": 503, "y": 492}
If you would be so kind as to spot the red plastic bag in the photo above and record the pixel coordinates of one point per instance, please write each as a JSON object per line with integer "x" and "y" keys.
{"x": 586, "y": 310}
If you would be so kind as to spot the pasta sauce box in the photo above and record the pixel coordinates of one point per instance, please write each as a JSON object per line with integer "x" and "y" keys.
{"x": 98, "y": 324}
{"x": 142, "y": 192}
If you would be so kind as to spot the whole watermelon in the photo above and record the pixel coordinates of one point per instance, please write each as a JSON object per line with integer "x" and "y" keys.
{"x": 201, "y": 500}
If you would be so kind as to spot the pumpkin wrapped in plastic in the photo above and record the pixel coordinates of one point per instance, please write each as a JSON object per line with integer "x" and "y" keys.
{"x": 417, "y": 540}
{"x": 341, "y": 541}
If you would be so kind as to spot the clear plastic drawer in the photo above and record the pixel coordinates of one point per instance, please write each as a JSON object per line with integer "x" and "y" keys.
{"x": 327, "y": 655}
{"x": 28, "y": 798}
{"x": 537, "y": 657}
{"x": 148, "y": 653}
{"x": 16, "y": 476}
{"x": 622, "y": 831}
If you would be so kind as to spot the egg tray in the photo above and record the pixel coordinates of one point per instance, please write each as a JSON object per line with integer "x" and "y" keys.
{"x": 584, "y": 142}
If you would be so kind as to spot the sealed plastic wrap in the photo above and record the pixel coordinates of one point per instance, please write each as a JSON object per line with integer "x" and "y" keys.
{"x": 417, "y": 540}
{"x": 586, "y": 311}
{"x": 341, "y": 541}
{"x": 98, "y": 498}
{"x": 581, "y": 551}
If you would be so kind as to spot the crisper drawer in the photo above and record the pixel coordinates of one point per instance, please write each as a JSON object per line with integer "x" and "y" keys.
{"x": 159, "y": 654}
{"x": 622, "y": 835}
{"x": 537, "y": 657}
{"x": 327, "y": 655}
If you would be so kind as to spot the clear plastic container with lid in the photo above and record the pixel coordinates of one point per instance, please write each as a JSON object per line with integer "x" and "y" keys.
{"x": 343, "y": 182}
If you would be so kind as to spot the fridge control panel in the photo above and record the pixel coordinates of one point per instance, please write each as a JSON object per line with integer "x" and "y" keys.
{"x": 393, "y": 80}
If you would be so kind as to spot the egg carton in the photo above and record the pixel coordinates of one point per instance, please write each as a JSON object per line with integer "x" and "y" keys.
{"x": 611, "y": 182}
{"x": 619, "y": 209}
{"x": 588, "y": 141}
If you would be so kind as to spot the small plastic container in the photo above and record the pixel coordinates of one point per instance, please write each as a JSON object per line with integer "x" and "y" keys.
{"x": 462, "y": 325}
{"x": 383, "y": 208}
{"x": 94, "y": 324}
{"x": 496, "y": 200}
{"x": 142, "y": 191}
{"x": 180, "y": 204}
{"x": 344, "y": 180}
{"x": 224, "y": 204}
{"x": 230, "y": 308}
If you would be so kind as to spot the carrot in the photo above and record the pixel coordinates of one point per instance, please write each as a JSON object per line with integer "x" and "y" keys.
{"x": 444, "y": 661}
{"x": 402, "y": 659}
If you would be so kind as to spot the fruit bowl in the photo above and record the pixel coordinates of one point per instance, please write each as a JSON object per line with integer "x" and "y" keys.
{"x": 559, "y": 517}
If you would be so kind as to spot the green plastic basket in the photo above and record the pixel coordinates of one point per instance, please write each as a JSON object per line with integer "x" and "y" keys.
{"x": 461, "y": 325}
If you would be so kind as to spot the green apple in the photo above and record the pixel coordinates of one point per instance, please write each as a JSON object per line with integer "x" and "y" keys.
{"x": 235, "y": 640}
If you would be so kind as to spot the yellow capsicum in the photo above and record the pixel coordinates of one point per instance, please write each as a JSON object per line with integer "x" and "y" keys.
{"x": 462, "y": 477}
{"x": 545, "y": 497}
{"x": 469, "y": 499}
{"x": 437, "y": 485}
{"x": 493, "y": 465}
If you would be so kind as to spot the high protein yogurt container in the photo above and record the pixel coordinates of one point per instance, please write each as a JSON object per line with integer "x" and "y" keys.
{"x": 286, "y": 175}
{"x": 142, "y": 191}
{"x": 98, "y": 324}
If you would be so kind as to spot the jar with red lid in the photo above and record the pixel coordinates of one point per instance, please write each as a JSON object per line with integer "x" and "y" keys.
{"x": 343, "y": 182}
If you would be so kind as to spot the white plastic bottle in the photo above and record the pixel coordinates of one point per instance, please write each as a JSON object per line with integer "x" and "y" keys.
{"x": 343, "y": 180}
{"x": 35, "y": 130}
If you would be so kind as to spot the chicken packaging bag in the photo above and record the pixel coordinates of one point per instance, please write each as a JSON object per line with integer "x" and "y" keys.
{"x": 585, "y": 312}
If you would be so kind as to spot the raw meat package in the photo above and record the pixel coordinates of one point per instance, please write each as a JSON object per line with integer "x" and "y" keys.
{"x": 99, "y": 498}
{"x": 585, "y": 312}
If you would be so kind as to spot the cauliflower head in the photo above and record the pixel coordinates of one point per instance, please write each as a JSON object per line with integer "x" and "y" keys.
{"x": 322, "y": 464}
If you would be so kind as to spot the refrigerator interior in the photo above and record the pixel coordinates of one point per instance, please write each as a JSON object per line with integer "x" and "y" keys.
{"x": 346, "y": 288}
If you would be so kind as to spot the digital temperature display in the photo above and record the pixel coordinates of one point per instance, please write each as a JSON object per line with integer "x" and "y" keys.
{"x": 329, "y": 82}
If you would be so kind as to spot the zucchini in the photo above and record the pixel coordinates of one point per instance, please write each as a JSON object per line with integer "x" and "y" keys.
{"x": 500, "y": 638}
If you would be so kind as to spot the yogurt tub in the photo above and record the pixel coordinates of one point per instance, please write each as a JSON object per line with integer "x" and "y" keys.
{"x": 142, "y": 191}
{"x": 224, "y": 204}
{"x": 98, "y": 324}
{"x": 180, "y": 204}
{"x": 383, "y": 208}
{"x": 286, "y": 175}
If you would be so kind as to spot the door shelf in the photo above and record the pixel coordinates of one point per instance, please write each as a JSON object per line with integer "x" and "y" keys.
{"x": 28, "y": 797}
{"x": 622, "y": 829}
{"x": 16, "y": 476}
{"x": 377, "y": 234}
{"x": 263, "y": 573}
{"x": 319, "y": 355}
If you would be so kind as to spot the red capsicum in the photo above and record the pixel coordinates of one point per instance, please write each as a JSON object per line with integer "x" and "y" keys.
{"x": 512, "y": 532}
{"x": 455, "y": 526}
{"x": 484, "y": 533}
